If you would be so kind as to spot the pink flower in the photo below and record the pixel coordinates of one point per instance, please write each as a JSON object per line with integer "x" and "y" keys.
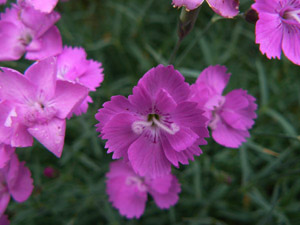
{"x": 36, "y": 104}
{"x": 231, "y": 116}
{"x": 1, "y": 3}
{"x": 45, "y": 6}
{"x": 225, "y": 8}
{"x": 15, "y": 181}
{"x": 156, "y": 126}
{"x": 127, "y": 191}
{"x": 4, "y": 220}
{"x": 278, "y": 28}
{"x": 25, "y": 30}
{"x": 6, "y": 153}
{"x": 73, "y": 66}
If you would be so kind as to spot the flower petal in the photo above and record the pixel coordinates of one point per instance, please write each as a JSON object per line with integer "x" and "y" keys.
{"x": 225, "y": 8}
{"x": 291, "y": 43}
{"x": 119, "y": 134}
{"x": 189, "y": 4}
{"x": 51, "y": 135}
{"x": 147, "y": 158}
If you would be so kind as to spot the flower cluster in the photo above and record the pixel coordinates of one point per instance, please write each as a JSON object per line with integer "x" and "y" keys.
{"x": 37, "y": 104}
{"x": 163, "y": 123}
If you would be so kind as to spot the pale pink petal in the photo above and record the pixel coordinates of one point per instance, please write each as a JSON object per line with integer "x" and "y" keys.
{"x": 169, "y": 79}
{"x": 119, "y": 134}
{"x": 38, "y": 21}
{"x": 51, "y": 45}
{"x": 228, "y": 136}
{"x": 126, "y": 198}
{"x": 67, "y": 97}
{"x": 43, "y": 75}
{"x": 189, "y": 4}
{"x": 4, "y": 220}
{"x": 11, "y": 48}
{"x": 45, "y": 6}
{"x": 147, "y": 158}
{"x": 291, "y": 43}
{"x": 117, "y": 104}
{"x": 268, "y": 34}
{"x": 6, "y": 152}
{"x": 164, "y": 201}
{"x": 22, "y": 188}
{"x": 225, "y": 8}
{"x": 20, "y": 137}
{"x": 4, "y": 200}
{"x": 182, "y": 139}
{"x": 51, "y": 135}
{"x": 14, "y": 86}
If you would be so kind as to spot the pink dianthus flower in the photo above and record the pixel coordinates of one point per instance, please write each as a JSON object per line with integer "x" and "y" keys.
{"x": 128, "y": 191}
{"x": 230, "y": 116}
{"x": 36, "y": 104}
{"x": 278, "y": 28}
{"x": 156, "y": 126}
{"x": 225, "y": 8}
{"x": 26, "y": 30}
{"x": 15, "y": 181}
{"x": 73, "y": 66}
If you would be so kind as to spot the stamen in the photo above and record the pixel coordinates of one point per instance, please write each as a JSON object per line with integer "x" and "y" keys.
{"x": 173, "y": 130}
{"x": 136, "y": 181}
{"x": 139, "y": 126}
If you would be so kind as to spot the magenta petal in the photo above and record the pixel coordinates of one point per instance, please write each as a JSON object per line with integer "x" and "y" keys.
{"x": 147, "y": 158}
{"x": 189, "y": 4}
{"x": 225, "y": 8}
{"x": 119, "y": 134}
{"x": 141, "y": 100}
{"x": 51, "y": 135}
{"x": 214, "y": 78}
{"x": 239, "y": 110}
{"x": 43, "y": 75}
{"x": 4, "y": 220}
{"x": 2, "y": 2}
{"x": 126, "y": 198}
{"x": 229, "y": 137}
{"x": 51, "y": 45}
{"x": 67, "y": 97}
{"x": 14, "y": 86}
{"x": 11, "y": 47}
{"x": 164, "y": 201}
{"x": 291, "y": 43}
{"x": 23, "y": 185}
{"x": 167, "y": 78}
{"x": 4, "y": 200}
{"x": 6, "y": 131}
{"x": 268, "y": 34}
{"x": 161, "y": 184}
{"x": 117, "y": 104}
{"x": 119, "y": 168}
{"x": 164, "y": 102}
{"x": 189, "y": 115}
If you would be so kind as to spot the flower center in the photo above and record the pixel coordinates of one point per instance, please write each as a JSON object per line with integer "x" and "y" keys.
{"x": 38, "y": 112}
{"x": 155, "y": 121}
{"x": 136, "y": 181}
{"x": 292, "y": 15}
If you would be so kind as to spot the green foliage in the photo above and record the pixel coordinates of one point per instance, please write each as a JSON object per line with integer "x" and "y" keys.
{"x": 256, "y": 184}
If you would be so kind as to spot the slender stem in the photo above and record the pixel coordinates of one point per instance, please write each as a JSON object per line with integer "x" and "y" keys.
{"x": 172, "y": 57}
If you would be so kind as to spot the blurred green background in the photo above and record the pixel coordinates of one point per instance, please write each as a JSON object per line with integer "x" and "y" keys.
{"x": 256, "y": 184}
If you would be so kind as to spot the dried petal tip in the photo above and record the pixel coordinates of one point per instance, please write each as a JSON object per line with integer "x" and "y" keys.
{"x": 251, "y": 16}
